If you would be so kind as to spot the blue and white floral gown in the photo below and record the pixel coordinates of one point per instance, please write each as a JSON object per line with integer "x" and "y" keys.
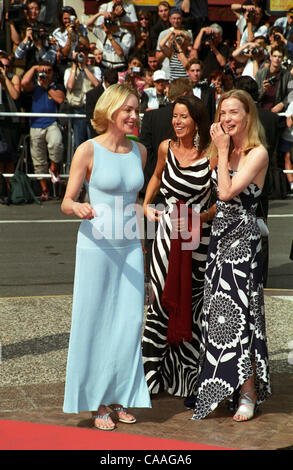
{"x": 233, "y": 335}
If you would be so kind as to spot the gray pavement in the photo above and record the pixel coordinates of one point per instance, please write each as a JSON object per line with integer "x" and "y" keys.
{"x": 38, "y": 248}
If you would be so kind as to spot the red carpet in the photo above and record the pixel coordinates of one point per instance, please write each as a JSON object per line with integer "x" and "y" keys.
{"x": 18, "y": 435}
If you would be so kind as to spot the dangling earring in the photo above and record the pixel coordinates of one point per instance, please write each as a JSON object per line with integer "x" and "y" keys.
{"x": 196, "y": 140}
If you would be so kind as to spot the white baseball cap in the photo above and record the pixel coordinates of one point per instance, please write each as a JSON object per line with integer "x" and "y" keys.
{"x": 159, "y": 75}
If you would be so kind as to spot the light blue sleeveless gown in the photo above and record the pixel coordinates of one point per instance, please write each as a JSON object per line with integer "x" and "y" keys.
{"x": 104, "y": 363}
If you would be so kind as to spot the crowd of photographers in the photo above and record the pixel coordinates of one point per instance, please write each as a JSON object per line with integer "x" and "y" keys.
{"x": 53, "y": 67}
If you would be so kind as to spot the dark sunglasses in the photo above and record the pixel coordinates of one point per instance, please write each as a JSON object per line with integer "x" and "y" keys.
{"x": 144, "y": 18}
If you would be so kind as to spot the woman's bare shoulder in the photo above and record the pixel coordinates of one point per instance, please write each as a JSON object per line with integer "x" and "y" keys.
{"x": 259, "y": 152}
{"x": 84, "y": 153}
{"x": 164, "y": 144}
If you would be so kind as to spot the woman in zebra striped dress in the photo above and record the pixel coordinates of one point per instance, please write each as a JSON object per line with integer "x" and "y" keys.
{"x": 183, "y": 175}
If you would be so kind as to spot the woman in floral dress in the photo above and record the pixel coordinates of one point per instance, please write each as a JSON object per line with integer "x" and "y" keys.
{"x": 234, "y": 357}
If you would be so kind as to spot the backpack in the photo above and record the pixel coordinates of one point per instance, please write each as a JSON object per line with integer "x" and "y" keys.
{"x": 21, "y": 191}
{"x": 3, "y": 190}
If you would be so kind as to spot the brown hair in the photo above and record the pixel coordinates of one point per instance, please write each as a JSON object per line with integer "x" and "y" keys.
{"x": 199, "y": 114}
{"x": 255, "y": 134}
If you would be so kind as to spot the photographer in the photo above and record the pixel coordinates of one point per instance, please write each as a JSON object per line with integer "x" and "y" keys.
{"x": 124, "y": 11}
{"x": 9, "y": 129}
{"x": 114, "y": 41}
{"x": 45, "y": 135}
{"x": 133, "y": 75}
{"x": 143, "y": 37}
{"x": 175, "y": 20}
{"x": 253, "y": 54}
{"x": 20, "y": 17}
{"x": 277, "y": 38}
{"x": 174, "y": 46}
{"x": 68, "y": 35}
{"x": 210, "y": 49}
{"x": 286, "y": 24}
{"x": 155, "y": 97}
{"x": 274, "y": 83}
{"x": 35, "y": 47}
{"x": 250, "y": 22}
{"x": 78, "y": 80}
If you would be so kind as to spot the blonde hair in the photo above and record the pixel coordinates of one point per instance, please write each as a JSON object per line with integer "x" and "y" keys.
{"x": 255, "y": 133}
{"x": 110, "y": 101}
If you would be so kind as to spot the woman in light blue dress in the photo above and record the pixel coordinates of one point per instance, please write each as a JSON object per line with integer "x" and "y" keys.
{"x": 104, "y": 367}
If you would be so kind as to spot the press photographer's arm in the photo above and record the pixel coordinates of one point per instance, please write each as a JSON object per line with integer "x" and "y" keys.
{"x": 12, "y": 85}
{"x": 45, "y": 80}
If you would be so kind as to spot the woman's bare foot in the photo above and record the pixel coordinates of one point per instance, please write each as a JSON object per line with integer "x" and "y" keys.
{"x": 247, "y": 401}
{"x": 102, "y": 419}
{"x": 122, "y": 414}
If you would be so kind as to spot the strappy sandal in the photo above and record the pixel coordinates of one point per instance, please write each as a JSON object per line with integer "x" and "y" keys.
{"x": 124, "y": 410}
{"x": 247, "y": 408}
{"x": 105, "y": 418}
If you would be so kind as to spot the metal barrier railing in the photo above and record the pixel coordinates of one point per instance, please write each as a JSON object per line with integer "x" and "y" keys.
{"x": 57, "y": 116}
{"x": 69, "y": 138}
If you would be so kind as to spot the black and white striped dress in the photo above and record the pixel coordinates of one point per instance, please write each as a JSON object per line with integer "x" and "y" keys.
{"x": 175, "y": 368}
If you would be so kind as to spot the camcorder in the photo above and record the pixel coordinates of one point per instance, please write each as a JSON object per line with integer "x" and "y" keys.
{"x": 272, "y": 80}
{"x": 16, "y": 12}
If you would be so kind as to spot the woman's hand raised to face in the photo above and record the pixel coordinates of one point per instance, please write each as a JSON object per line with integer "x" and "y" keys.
{"x": 220, "y": 138}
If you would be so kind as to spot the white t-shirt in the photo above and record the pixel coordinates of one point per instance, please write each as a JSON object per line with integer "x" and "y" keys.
{"x": 125, "y": 40}
{"x": 241, "y": 24}
{"x": 96, "y": 71}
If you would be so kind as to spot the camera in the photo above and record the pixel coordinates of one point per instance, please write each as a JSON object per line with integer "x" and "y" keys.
{"x": 38, "y": 33}
{"x": 272, "y": 80}
{"x": 208, "y": 38}
{"x": 80, "y": 58}
{"x": 287, "y": 63}
{"x": 246, "y": 51}
{"x": 135, "y": 69}
{"x": 253, "y": 51}
{"x": 108, "y": 22}
{"x": 277, "y": 37}
{"x": 42, "y": 75}
{"x": 251, "y": 15}
{"x": 179, "y": 39}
